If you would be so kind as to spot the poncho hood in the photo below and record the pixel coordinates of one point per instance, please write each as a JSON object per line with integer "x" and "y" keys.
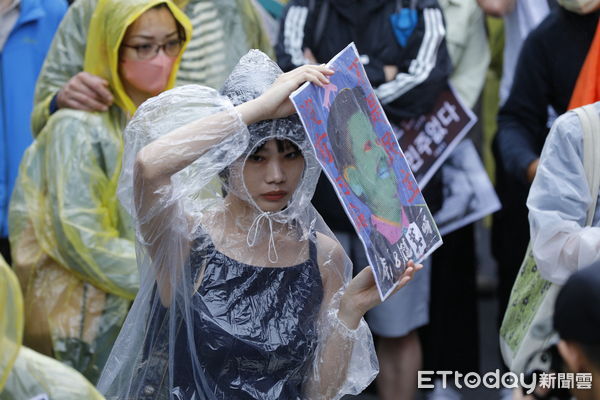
{"x": 109, "y": 23}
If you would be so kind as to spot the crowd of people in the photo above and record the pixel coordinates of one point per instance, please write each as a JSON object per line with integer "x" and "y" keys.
{"x": 166, "y": 231}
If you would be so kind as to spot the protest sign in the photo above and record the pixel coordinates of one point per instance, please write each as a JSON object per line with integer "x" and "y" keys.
{"x": 468, "y": 192}
{"x": 429, "y": 139}
{"x": 359, "y": 153}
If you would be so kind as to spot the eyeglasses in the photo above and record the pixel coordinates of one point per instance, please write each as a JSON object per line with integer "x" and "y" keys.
{"x": 150, "y": 50}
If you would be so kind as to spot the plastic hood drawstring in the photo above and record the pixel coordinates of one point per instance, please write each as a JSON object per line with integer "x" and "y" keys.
{"x": 253, "y": 234}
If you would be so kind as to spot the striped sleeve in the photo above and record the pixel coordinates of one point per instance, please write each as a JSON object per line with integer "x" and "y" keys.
{"x": 289, "y": 49}
{"x": 422, "y": 65}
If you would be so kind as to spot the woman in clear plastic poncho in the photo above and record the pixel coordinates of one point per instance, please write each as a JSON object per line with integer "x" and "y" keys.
{"x": 245, "y": 294}
{"x": 25, "y": 374}
{"x": 72, "y": 244}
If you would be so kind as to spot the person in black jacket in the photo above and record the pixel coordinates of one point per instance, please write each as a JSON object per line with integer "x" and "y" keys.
{"x": 403, "y": 50}
{"x": 547, "y": 69}
{"x": 406, "y": 78}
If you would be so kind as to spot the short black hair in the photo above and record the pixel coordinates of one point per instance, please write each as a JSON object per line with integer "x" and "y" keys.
{"x": 592, "y": 352}
{"x": 281, "y": 144}
{"x": 576, "y": 313}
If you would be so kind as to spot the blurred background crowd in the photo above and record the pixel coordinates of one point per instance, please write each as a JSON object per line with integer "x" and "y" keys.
{"x": 73, "y": 73}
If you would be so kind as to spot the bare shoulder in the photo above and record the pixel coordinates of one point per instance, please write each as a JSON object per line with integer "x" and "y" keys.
{"x": 328, "y": 249}
{"x": 333, "y": 263}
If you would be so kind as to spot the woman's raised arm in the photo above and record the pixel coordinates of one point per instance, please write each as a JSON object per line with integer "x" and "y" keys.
{"x": 164, "y": 228}
{"x": 344, "y": 361}
{"x": 165, "y": 156}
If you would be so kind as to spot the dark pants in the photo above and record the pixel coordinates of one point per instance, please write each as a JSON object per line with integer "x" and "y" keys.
{"x": 510, "y": 233}
{"x": 451, "y": 340}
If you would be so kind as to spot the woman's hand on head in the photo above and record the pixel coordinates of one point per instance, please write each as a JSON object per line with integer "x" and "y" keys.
{"x": 275, "y": 102}
{"x": 361, "y": 294}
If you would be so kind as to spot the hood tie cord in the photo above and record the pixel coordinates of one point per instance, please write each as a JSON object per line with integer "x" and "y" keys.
{"x": 253, "y": 235}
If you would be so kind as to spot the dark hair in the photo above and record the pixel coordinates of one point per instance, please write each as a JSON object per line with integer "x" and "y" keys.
{"x": 346, "y": 103}
{"x": 180, "y": 29}
{"x": 159, "y": 6}
{"x": 592, "y": 352}
{"x": 281, "y": 143}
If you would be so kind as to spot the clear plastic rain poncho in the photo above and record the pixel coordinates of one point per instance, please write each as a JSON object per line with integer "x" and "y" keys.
{"x": 558, "y": 203}
{"x": 72, "y": 244}
{"x": 235, "y": 302}
{"x": 24, "y": 373}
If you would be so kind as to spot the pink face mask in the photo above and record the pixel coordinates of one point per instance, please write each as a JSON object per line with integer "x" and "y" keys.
{"x": 148, "y": 76}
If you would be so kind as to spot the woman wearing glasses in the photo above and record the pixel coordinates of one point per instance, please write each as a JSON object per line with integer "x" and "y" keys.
{"x": 73, "y": 249}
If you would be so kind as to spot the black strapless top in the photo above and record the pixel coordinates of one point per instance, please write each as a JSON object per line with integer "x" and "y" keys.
{"x": 254, "y": 329}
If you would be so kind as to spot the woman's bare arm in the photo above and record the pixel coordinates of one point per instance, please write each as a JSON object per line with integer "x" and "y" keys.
{"x": 162, "y": 158}
{"x": 340, "y": 319}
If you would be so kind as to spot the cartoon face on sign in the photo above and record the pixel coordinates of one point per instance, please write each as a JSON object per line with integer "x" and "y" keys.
{"x": 362, "y": 160}
{"x": 358, "y": 150}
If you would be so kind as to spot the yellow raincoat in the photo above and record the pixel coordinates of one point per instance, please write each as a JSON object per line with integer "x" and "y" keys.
{"x": 25, "y": 374}
{"x": 224, "y": 30}
{"x": 72, "y": 246}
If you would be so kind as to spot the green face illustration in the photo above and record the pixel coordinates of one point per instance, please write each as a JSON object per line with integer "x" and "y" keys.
{"x": 371, "y": 178}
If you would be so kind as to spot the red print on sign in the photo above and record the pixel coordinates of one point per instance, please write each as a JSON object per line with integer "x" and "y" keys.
{"x": 355, "y": 66}
{"x": 323, "y": 148}
{"x": 410, "y": 185}
{"x": 310, "y": 108}
{"x": 374, "y": 109}
{"x": 388, "y": 141}
{"x": 359, "y": 219}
